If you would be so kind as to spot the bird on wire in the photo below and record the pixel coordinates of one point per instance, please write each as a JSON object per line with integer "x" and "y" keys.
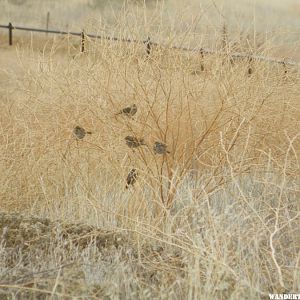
{"x": 131, "y": 178}
{"x": 129, "y": 111}
{"x": 80, "y": 132}
{"x": 160, "y": 148}
{"x": 133, "y": 142}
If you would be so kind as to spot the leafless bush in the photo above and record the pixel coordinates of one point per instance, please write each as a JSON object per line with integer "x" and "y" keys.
{"x": 219, "y": 208}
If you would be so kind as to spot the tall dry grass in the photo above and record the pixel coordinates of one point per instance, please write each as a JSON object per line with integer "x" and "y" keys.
{"x": 224, "y": 202}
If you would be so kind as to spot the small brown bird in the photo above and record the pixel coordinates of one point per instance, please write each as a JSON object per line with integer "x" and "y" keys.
{"x": 160, "y": 148}
{"x": 133, "y": 142}
{"x": 131, "y": 178}
{"x": 129, "y": 111}
{"x": 80, "y": 132}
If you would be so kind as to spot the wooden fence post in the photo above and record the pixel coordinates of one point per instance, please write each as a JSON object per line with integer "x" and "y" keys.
{"x": 82, "y": 41}
{"x": 10, "y": 29}
{"x": 148, "y": 46}
{"x": 47, "y": 21}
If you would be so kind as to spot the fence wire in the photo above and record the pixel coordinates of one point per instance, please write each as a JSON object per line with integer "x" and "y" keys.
{"x": 149, "y": 44}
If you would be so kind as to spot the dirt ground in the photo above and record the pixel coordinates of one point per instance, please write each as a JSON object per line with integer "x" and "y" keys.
{"x": 30, "y": 272}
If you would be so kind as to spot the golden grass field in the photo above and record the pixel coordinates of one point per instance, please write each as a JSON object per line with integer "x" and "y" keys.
{"x": 216, "y": 218}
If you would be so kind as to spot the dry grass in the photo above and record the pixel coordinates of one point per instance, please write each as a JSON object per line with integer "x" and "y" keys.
{"x": 218, "y": 217}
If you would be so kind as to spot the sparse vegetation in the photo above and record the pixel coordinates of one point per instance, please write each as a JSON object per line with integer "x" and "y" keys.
{"x": 214, "y": 210}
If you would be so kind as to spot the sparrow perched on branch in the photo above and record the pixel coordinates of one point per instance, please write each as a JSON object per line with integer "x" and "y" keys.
{"x": 80, "y": 132}
{"x": 131, "y": 178}
{"x": 160, "y": 148}
{"x": 129, "y": 111}
{"x": 133, "y": 142}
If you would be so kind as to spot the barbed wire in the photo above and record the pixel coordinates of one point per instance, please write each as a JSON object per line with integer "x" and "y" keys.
{"x": 149, "y": 44}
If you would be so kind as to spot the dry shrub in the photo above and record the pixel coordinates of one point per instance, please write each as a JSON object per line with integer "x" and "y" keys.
{"x": 225, "y": 197}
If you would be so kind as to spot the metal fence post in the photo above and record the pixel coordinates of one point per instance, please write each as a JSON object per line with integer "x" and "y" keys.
{"x": 148, "y": 46}
{"x": 250, "y": 66}
{"x": 82, "y": 41}
{"x": 202, "y": 59}
{"x": 285, "y": 69}
{"x": 10, "y": 29}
